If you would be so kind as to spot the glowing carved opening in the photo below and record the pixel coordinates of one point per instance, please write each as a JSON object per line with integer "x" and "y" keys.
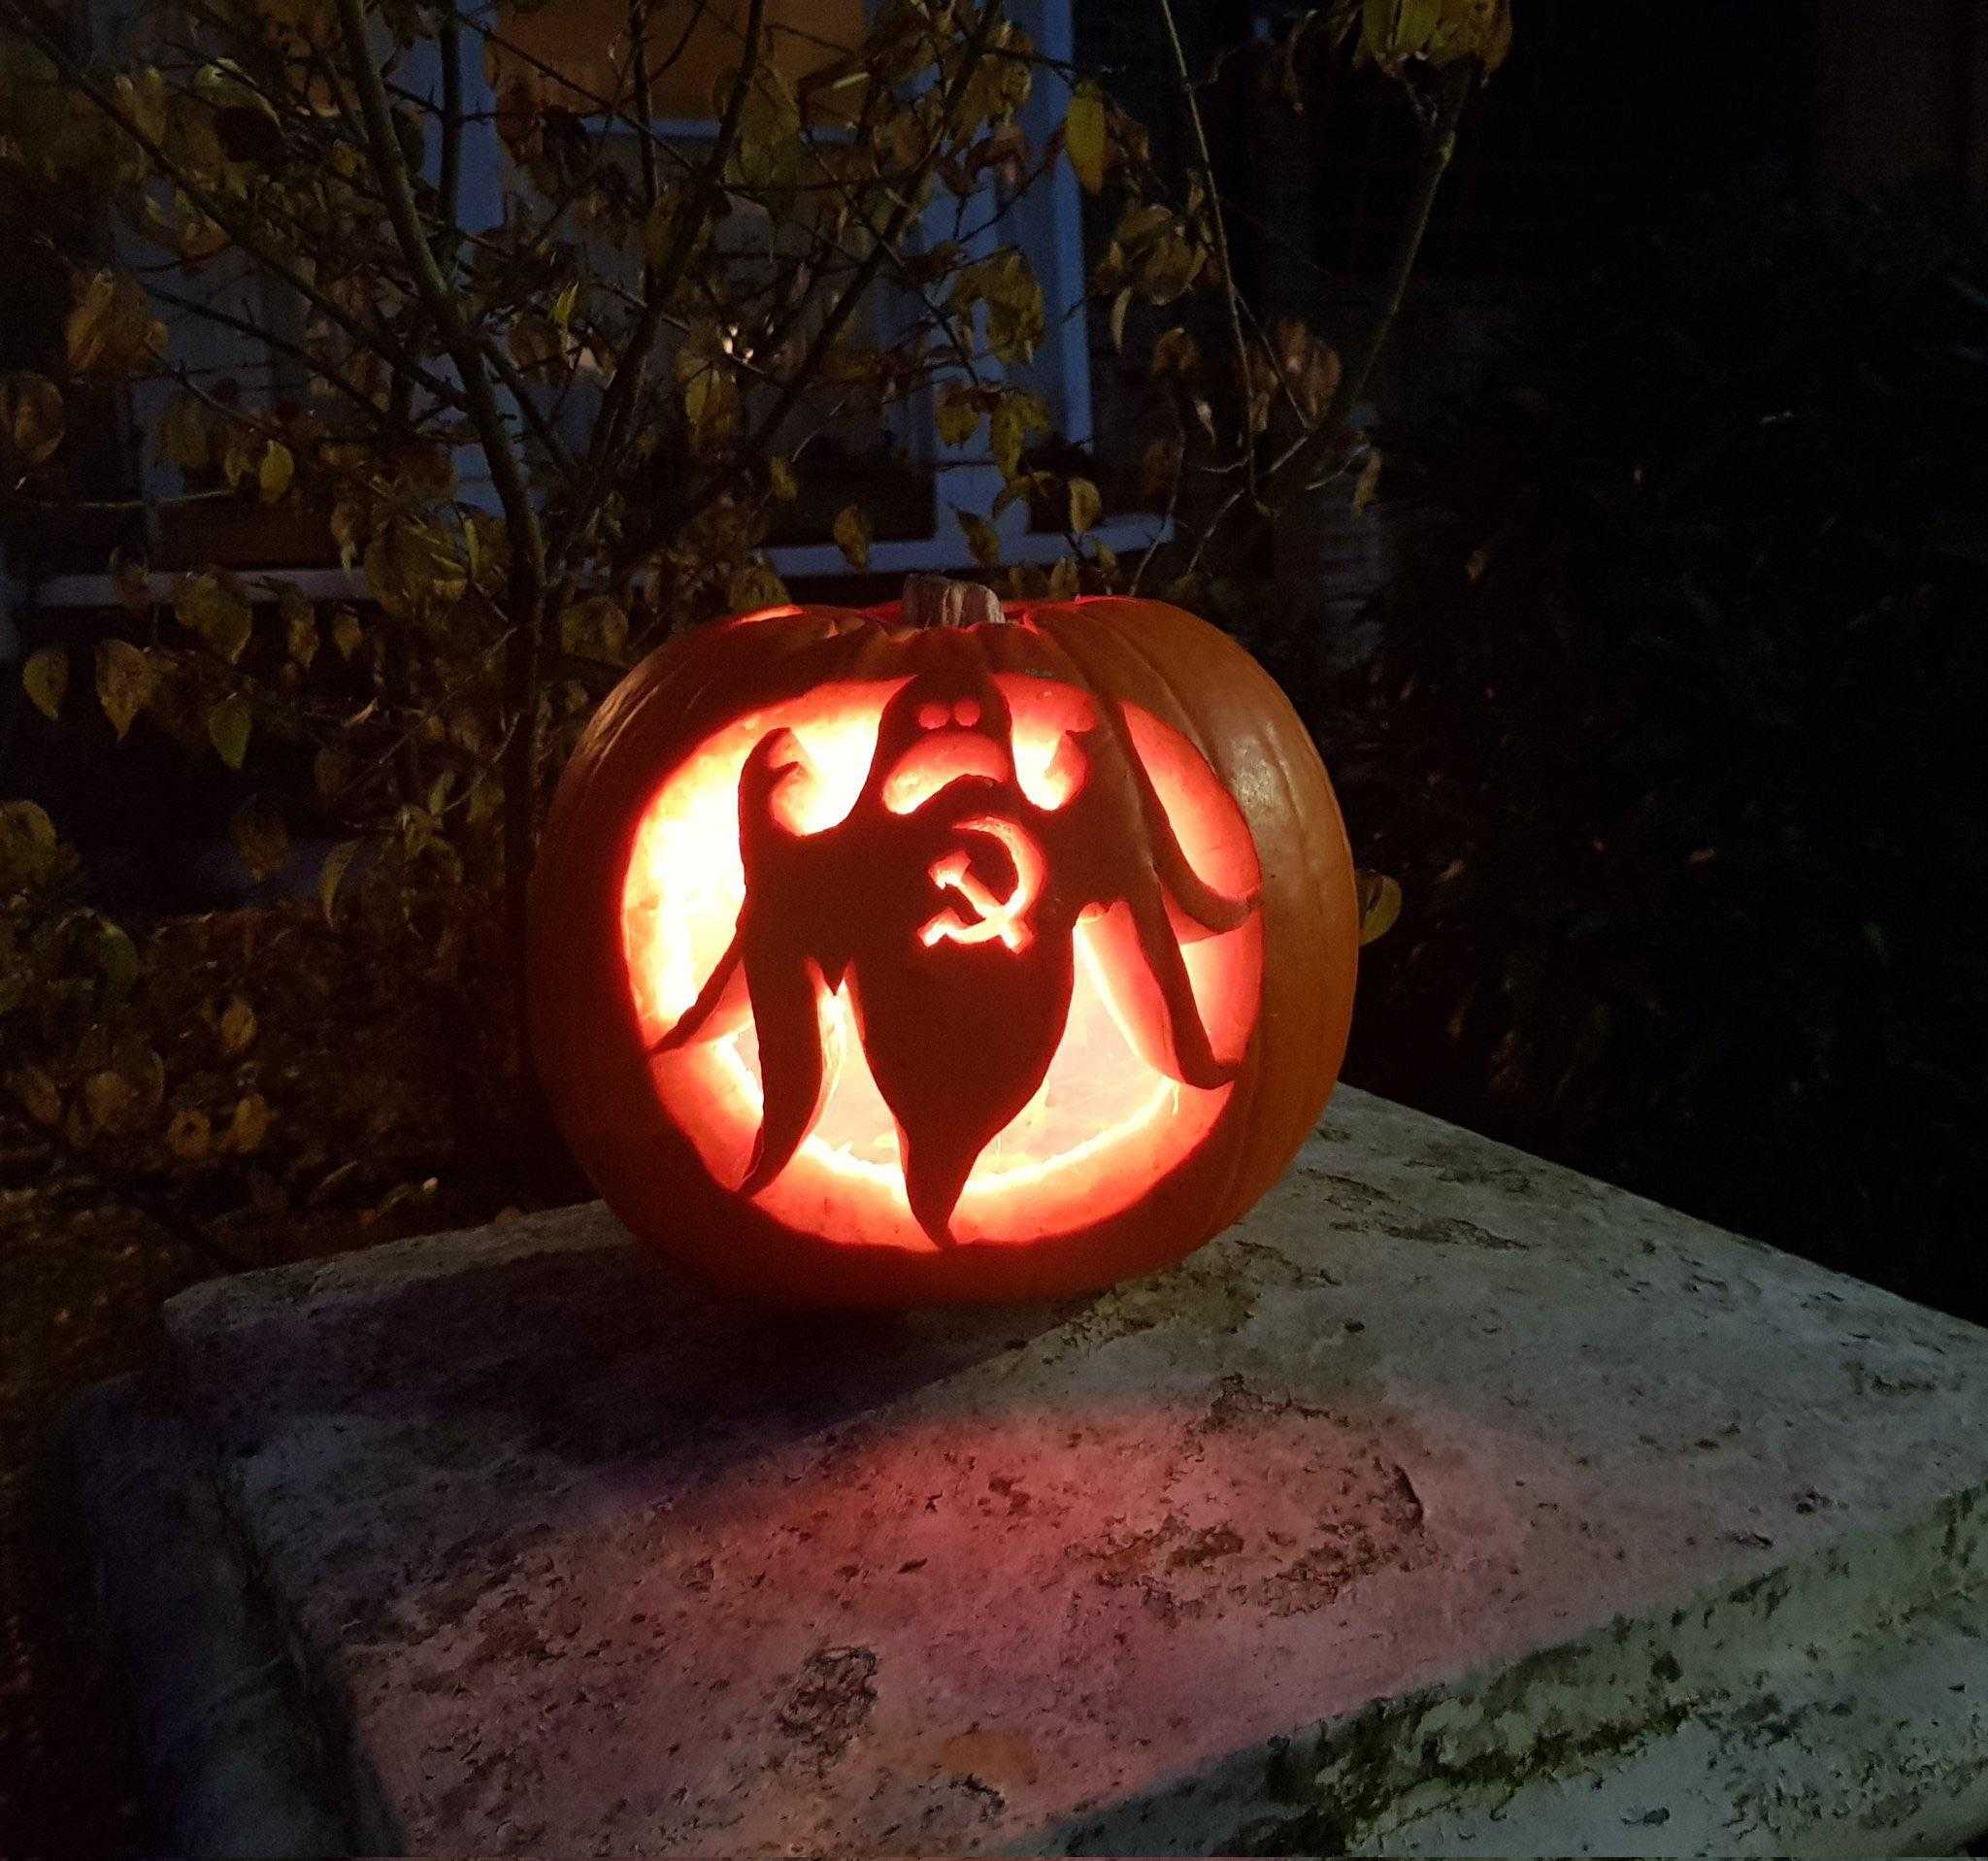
{"x": 1106, "y": 1120}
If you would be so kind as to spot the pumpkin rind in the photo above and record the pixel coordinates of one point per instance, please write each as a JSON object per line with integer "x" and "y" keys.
{"x": 593, "y": 1055}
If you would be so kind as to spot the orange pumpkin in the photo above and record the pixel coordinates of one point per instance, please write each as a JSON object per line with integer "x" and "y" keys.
{"x": 943, "y": 951}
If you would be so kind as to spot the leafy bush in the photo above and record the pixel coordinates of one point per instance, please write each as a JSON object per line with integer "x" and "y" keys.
{"x": 1675, "y": 741}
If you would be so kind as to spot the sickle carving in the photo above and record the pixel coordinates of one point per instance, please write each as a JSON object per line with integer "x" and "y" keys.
{"x": 1004, "y": 917}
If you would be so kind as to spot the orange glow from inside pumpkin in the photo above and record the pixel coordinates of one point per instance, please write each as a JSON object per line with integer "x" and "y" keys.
{"x": 1104, "y": 1126}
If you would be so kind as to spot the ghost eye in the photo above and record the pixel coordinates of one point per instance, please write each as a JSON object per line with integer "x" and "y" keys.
{"x": 932, "y": 715}
{"x": 967, "y": 712}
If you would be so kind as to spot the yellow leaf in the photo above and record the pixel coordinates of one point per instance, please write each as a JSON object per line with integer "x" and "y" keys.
{"x": 1175, "y": 352}
{"x": 227, "y": 729}
{"x": 124, "y": 682}
{"x": 1119, "y": 305}
{"x": 1005, "y": 437}
{"x": 213, "y": 608}
{"x": 300, "y": 626}
{"x": 1381, "y": 904}
{"x": 143, "y": 98}
{"x": 112, "y": 329}
{"x": 112, "y": 1102}
{"x": 30, "y": 417}
{"x": 117, "y": 956}
{"x": 1083, "y": 136}
{"x": 957, "y": 415}
{"x": 1086, "y": 506}
{"x": 273, "y": 476}
{"x": 346, "y": 635}
{"x": 780, "y": 479}
{"x": 190, "y": 1135}
{"x": 38, "y": 1094}
{"x": 983, "y": 538}
{"x": 46, "y": 678}
{"x": 1063, "y": 578}
{"x": 133, "y": 584}
{"x": 1369, "y": 476}
{"x": 595, "y": 628}
{"x": 852, "y": 535}
{"x": 249, "y": 1125}
{"x": 260, "y": 838}
{"x": 30, "y": 853}
{"x": 337, "y": 863}
{"x": 184, "y": 436}
{"x": 238, "y": 459}
{"x": 237, "y": 1025}
{"x": 1159, "y": 465}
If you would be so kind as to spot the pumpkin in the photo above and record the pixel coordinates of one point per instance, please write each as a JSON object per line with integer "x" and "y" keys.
{"x": 943, "y": 951}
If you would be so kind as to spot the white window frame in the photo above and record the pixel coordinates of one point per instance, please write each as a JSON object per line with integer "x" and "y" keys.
{"x": 1047, "y": 226}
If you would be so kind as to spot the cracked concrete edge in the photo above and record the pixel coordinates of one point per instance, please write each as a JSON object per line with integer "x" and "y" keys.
{"x": 1412, "y": 1773}
{"x": 232, "y": 1766}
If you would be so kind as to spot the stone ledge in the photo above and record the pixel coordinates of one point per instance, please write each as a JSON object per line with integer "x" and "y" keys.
{"x": 1451, "y": 1501}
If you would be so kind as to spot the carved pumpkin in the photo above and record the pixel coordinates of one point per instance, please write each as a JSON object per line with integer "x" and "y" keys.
{"x": 940, "y": 951}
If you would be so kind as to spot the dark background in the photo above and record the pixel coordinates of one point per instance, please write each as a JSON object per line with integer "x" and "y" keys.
{"x": 1658, "y": 676}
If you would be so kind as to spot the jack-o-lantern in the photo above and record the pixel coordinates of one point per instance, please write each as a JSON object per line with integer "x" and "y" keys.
{"x": 942, "y": 951}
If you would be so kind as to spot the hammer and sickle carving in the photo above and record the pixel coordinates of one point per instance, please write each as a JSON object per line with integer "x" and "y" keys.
{"x": 1004, "y": 917}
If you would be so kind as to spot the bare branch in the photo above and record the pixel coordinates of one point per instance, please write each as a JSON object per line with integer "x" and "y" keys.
{"x": 1438, "y": 144}
{"x": 626, "y": 386}
{"x": 527, "y": 547}
{"x": 375, "y": 339}
{"x": 1221, "y": 240}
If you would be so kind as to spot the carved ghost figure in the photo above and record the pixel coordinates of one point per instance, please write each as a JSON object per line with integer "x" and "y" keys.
{"x": 946, "y": 899}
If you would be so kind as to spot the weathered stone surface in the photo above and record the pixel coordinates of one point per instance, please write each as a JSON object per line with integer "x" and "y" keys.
{"x": 1449, "y": 1487}
{"x": 231, "y": 1765}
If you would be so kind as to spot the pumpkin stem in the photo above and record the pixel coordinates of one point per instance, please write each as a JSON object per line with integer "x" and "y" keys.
{"x": 939, "y": 601}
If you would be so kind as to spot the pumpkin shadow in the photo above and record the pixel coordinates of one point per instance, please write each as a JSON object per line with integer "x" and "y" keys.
{"x": 628, "y": 1360}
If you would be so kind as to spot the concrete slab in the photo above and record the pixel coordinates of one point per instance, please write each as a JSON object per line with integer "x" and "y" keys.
{"x": 1450, "y": 1504}
{"x": 231, "y": 1767}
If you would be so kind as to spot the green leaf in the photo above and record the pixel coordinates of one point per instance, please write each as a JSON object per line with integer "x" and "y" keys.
{"x": 227, "y": 729}
{"x": 46, "y": 678}
{"x": 1381, "y": 904}
{"x": 852, "y": 535}
{"x": 1086, "y": 506}
{"x": 1083, "y": 136}
{"x": 124, "y": 682}
{"x": 780, "y": 479}
{"x": 346, "y": 635}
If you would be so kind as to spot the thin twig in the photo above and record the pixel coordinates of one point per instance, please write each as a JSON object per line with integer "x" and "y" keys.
{"x": 375, "y": 339}
{"x": 1438, "y": 144}
{"x": 1230, "y": 296}
{"x": 894, "y": 228}
{"x": 526, "y": 540}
